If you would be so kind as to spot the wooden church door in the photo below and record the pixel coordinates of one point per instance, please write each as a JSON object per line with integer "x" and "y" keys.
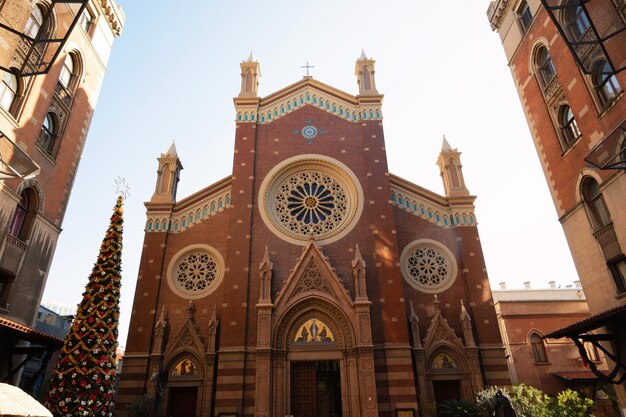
{"x": 303, "y": 389}
{"x": 182, "y": 402}
{"x": 315, "y": 389}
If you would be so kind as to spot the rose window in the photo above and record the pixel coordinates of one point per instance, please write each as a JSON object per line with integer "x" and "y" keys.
{"x": 195, "y": 272}
{"x": 428, "y": 266}
{"x": 310, "y": 195}
{"x": 310, "y": 202}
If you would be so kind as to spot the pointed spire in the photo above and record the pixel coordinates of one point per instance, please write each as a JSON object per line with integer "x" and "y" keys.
{"x": 412, "y": 314}
{"x": 415, "y": 327}
{"x": 190, "y": 310}
{"x": 266, "y": 260}
{"x": 464, "y": 314}
{"x": 251, "y": 57}
{"x": 363, "y": 57}
{"x": 161, "y": 321}
{"x": 172, "y": 150}
{"x": 451, "y": 170}
{"x": 213, "y": 316}
{"x": 358, "y": 259}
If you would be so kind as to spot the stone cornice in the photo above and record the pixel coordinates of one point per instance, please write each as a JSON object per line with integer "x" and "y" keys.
{"x": 308, "y": 92}
{"x": 203, "y": 194}
{"x": 114, "y": 14}
{"x": 423, "y": 203}
{"x": 496, "y": 11}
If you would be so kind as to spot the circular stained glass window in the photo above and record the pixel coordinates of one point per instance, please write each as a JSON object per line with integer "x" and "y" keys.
{"x": 310, "y": 196}
{"x": 428, "y": 266}
{"x": 195, "y": 272}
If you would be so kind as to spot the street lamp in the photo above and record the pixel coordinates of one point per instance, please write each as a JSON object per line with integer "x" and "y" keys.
{"x": 32, "y": 35}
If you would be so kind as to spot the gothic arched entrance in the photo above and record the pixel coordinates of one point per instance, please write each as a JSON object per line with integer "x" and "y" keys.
{"x": 314, "y": 345}
{"x": 185, "y": 378}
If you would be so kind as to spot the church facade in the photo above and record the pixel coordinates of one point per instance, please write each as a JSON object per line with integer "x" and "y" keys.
{"x": 311, "y": 281}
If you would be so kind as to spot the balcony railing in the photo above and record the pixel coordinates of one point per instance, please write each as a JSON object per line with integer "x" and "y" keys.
{"x": 12, "y": 254}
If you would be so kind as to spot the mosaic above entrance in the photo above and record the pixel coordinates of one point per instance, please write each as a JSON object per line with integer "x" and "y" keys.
{"x": 314, "y": 331}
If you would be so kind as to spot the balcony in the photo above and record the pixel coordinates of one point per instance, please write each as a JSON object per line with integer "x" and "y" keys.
{"x": 30, "y": 46}
{"x": 12, "y": 254}
{"x": 607, "y": 239}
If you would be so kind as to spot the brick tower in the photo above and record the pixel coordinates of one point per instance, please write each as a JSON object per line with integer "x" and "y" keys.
{"x": 567, "y": 60}
{"x": 311, "y": 281}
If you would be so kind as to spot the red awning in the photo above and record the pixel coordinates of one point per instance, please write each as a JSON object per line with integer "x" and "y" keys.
{"x": 578, "y": 375}
{"x": 588, "y": 324}
{"x": 29, "y": 334}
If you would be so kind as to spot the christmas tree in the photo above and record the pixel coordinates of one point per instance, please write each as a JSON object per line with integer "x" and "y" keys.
{"x": 83, "y": 383}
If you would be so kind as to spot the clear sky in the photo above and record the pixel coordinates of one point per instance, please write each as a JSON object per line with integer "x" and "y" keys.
{"x": 175, "y": 69}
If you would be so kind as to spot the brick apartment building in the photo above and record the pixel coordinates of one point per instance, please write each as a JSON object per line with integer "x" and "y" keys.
{"x": 525, "y": 316}
{"x": 311, "y": 281}
{"x": 44, "y": 120}
{"x": 567, "y": 60}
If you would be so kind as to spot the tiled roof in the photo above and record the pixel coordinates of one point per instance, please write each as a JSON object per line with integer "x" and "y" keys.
{"x": 29, "y": 334}
{"x": 590, "y": 323}
{"x": 578, "y": 375}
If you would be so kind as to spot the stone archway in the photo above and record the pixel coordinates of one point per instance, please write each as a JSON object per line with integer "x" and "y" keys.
{"x": 334, "y": 343}
{"x": 183, "y": 388}
{"x": 313, "y": 296}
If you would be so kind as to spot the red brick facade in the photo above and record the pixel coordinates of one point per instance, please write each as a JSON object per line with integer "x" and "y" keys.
{"x": 248, "y": 359}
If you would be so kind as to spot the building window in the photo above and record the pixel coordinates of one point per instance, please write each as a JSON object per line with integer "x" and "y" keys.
{"x": 604, "y": 82}
{"x": 539, "y": 348}
{"x": 195, "y": 272}
{"x": 47, "y": 136}
{"x": 428, "y": 266}
{"x": 576, "y": 22}
{"x": 598, "y": 212}
{"x": 569, "y": 128}
{"x": 525, "y": 16}
{"x": 24, "y": 215}
{"x": 545, "y": 67}
{"x": 618, "y": 272}
{"x": 8, "y": 90}
{"x": 86, "y": 20}
{"x": 67, "y": 71}
{"x": 592, "y": 352}
{"x": 33, "y": 24}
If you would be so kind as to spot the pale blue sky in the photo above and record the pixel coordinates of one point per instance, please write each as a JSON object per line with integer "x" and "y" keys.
{"x": 175, "y": 69}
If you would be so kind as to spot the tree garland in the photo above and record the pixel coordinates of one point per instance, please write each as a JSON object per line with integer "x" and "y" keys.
{"x": 83, "y": 383}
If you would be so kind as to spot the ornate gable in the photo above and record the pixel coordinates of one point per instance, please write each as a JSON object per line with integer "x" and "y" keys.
{"x": 187, "y": 339}
{"x": 312, "y": 274}
{"x": 440, "y": 333}
{"x": 313, "y": 93}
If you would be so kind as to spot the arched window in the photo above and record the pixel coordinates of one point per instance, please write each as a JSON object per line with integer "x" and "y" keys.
{"x": 34, "y": 22}
{"x": 47, "y": 136}
{"x": 8, "y": 90}
{"x": 604, "y": 82}
{"x": 576, "y": 22}
{"x": 544, "y": 66}
{"x": 67, "y": 72}
{"x": 598, "y": 212}
{"x": 24, "y": 215}
{"x": 568, "y": 126}
{"x": 367, "y": 80}
{"x": 539, "y": 348}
